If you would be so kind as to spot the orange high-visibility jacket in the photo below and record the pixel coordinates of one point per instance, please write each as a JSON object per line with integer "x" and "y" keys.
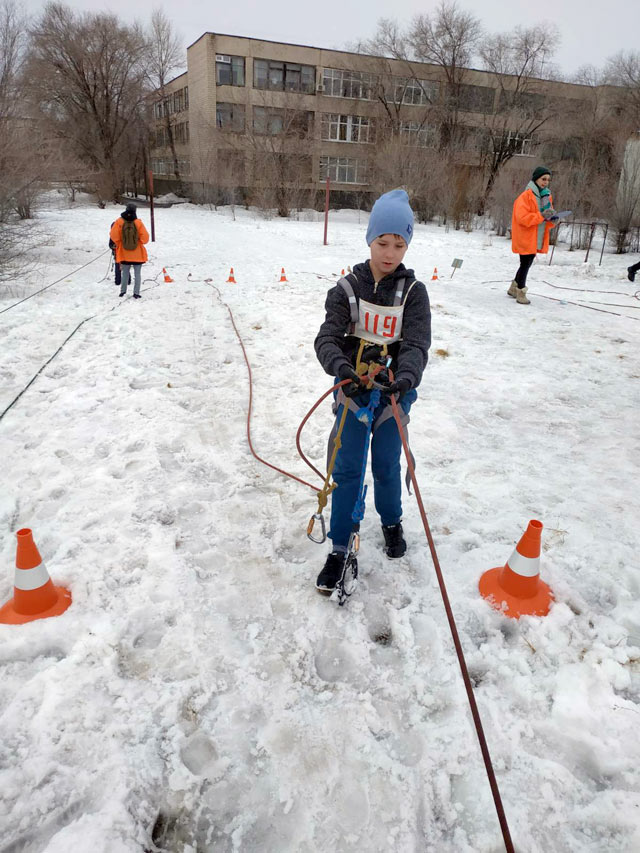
{"x": 135, "y": 256}
{"x": 524, "y": 225}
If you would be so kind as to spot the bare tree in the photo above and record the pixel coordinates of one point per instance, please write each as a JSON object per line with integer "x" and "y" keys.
{"x": 279, "y": 146}
{"x": 626, "y": 213}
{"x": 448, "y": 38}
{"x": 88, "y": 74}
{"x": 165, "y": 58}
{"x": 14, "y": 134}
{"x": 516, "y": 60}
{"x": 623, "y": 70}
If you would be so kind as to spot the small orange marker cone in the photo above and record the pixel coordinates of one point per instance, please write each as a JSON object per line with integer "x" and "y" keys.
{"x": 434, "y": 277}
{"x": 231, "y": 278}
{"x": 516, "y": 588}
{"x": 283, "y": 276}
{"x": 34, "y": 595}
{"x": 341, "y": 272}
{"x": 167, "y": 277}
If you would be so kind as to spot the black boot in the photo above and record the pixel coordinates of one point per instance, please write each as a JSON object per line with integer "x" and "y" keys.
{"x": 331, "y": 572}
{"x": 631, "y": 273}
{"x": 394, "y": 544}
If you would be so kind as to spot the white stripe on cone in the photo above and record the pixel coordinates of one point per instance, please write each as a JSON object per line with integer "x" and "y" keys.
{"x": 526, "y": 567}
{"x": 28, "y": 579}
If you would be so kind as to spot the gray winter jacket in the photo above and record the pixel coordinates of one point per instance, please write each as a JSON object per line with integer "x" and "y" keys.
{"x": 335, "y": 346}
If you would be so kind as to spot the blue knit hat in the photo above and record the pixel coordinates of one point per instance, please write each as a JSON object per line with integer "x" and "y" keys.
{"x": 391, "y": 214}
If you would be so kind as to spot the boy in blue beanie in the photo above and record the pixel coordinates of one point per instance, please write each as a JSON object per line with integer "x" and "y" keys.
{"x": 378, "y": 311}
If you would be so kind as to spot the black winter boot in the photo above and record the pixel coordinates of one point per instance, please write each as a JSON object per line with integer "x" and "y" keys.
{"x": 331, "y": 572}
{"x": 631, "y": 273}
{"x": 394, "y": 544}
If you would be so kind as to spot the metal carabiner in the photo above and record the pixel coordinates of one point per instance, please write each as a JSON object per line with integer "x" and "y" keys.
{"x": 317, "y": 516}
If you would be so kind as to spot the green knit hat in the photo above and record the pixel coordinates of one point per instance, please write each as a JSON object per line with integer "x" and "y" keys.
{"x": 539, "y": 171}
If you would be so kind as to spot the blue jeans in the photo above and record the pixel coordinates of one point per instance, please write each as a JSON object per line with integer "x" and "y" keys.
{"x": 385, "y": 448}
{"x": 125, "y": 277}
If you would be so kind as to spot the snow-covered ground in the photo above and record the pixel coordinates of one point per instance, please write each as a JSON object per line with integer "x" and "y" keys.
{"x": 199, "y": 693}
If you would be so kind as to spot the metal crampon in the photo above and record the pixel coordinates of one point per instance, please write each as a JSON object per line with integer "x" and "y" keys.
{"x": 347, "y": 584}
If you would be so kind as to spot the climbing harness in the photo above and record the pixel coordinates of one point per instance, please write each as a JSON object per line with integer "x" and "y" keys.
{"x": 367, "y": 372}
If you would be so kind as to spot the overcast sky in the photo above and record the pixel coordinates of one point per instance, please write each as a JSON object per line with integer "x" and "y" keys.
{"x": 591, "y": 30}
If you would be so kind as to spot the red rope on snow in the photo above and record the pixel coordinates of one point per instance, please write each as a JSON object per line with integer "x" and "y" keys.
{"x": 502, "y": 818}
{"x": 246, "y": 358}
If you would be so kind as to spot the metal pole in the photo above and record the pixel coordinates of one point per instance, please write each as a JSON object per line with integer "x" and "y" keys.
{"x": 153, "y": 221}
{"x": 555, "y": 240}
{"x": 326, "y": 211}
{"x": 604, "y": 241}
{"x": 593, "y": 228}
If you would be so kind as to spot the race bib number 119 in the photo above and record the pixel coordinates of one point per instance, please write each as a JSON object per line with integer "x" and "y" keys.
{"x": 380, "y": 324}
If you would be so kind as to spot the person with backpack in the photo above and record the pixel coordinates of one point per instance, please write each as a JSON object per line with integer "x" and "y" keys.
{"x": 130, "y": 235}
{"x": 116, "y": 265}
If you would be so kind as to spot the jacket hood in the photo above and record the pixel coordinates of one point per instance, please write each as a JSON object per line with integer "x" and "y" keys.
{"x": 363, "y": 271}
{"x": 129, "y": 215}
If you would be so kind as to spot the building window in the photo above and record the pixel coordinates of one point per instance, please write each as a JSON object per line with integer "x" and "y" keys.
{"x": 166, "y": 168}
{"x": 283, "y": 76}
{"x": 229, "y": 70}
{"x": 349, "y": 84}
{"x": 417, "y": 135}
{"x": 272, "y": 121}
{"x": 268, "y": 120}
{"x": 416, "y": 92}
{"x": 230, "y": 117}
{"x": 346, "y": 128}
{"x": 181, "y": 133}
{"x": 476, "y": 99}
{"x": 343, "y": 170}
{"x": 177, "y": 102}
{"x": 519, "y": 143}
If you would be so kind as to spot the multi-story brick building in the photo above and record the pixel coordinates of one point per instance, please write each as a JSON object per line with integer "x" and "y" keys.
{"x": 246, "y": 104}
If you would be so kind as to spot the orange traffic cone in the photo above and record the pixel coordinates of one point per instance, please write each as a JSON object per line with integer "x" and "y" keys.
{"x": 434, "y": 277}
{"x": 516, "y": 588}
{"x": 34, "y": 595}
{"x": 167, "y": 277}
{"x": 231, "y": 278}
{"x": 283, "y": 276}
{"x": 341, "y": 272}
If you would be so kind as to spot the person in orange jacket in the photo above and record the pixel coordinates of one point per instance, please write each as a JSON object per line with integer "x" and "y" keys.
{"x": 130, "y": 235}
{"x": 530, "y": 228}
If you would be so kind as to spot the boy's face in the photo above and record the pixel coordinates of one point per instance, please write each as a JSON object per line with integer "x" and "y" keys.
{"x": 387, "y": 252}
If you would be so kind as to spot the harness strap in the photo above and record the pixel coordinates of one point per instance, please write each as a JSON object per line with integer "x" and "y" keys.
{"x": 348, "y": 403}
{"x": 345, "y": 284}
{"x": 398, "y": 299}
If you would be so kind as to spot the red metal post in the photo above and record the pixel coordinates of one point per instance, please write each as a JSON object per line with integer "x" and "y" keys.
{"x": 326, "y": 212}
{"x": 153, "y": 221}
